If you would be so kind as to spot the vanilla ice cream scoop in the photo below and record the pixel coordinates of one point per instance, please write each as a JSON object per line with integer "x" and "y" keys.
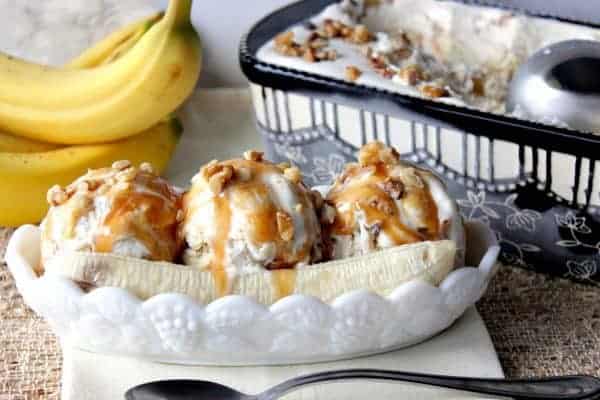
{"x": 248, "y": 214}
{"x": 123, "y": 210}
{"x": 382, "y": 202}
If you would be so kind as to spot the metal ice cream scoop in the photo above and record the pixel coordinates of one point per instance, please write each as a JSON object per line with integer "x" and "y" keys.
{"x": 560, "y": 84}
{"x": 558, "y": 388}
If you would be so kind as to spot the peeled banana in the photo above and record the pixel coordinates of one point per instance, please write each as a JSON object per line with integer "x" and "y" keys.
{"x": 26, "y": 177}
{"x": 111, "y": 101}
{"x": 381, "y": 272}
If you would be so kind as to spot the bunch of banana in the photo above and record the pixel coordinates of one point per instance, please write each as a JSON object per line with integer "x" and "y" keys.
{"x": 114, "y": 101}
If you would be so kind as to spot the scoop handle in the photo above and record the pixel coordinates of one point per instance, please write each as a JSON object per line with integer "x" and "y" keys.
{"x": 554, "y": 388}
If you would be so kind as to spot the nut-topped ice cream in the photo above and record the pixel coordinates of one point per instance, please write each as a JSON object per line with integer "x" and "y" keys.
{"x": 382, "y": 202}
{"x": 246, "y": 215}
{"x": 123, "y": 210}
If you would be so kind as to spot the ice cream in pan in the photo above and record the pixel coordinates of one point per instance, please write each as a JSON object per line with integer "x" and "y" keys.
{"x": 248, "y": 226}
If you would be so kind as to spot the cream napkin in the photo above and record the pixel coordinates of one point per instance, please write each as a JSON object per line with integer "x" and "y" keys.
{"x": 465, "y": 349}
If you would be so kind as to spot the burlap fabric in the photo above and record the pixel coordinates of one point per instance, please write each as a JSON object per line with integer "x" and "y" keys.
{"x": 539, "y": 325}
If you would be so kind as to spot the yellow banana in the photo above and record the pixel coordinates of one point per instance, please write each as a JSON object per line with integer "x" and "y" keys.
{"x": 107, "y": 50}
{"x": 26, "y": 177}
{"x": 114, "y": 45}
{"x": 109, "y": 102}
{"x": 15, "y": 144}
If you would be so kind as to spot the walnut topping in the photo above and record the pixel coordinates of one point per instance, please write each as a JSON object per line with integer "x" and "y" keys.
{"x": 83, "y": 187}
{"x": 126, "y": 175}
{"x": 433, "y": 91}
{"x": 147, "y": 167}
{"x": 209, "y": 169}
{"x": 376, "y": 152}
{"x": 244, "y": 174}
{"x": 310, "y": 54}
{"x": 218, "y": 181}
{"x": 361, "y": 35}
{"x": 411, "y": 74}
{"x": 121, "y": 165}
{"x": 353, "y": 73}
{"x": 382, "y": 206}
{"x": 285, "y": 39}
{"x": 394, "y": 187}
{"x": 254, "y": 155}
{"x": 56, "y": 196}
{"x": 285, "y": 226}
{"x": 293, "y": 174}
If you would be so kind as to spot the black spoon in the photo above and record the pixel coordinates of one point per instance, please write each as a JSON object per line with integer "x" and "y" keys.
{"x": 558, "y": 388}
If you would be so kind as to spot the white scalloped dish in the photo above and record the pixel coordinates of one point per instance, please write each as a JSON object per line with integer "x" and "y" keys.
{"x": 236, "y": 330}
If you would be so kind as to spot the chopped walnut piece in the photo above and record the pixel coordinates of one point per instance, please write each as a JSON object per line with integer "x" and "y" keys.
{"x": 382, "y": 206}
{"x": 411, "y": 74}
{"x": 254, "y": 155}
{"x": 126, "y": 175}
{"x": 293, "y": 174}
{"x": 478, "y": 86}
{"x": 433, "y": 91}
{"x": 377, "y": 152}
{"x": 284, "y": 39}
{"x": 394, "y": 187}
{"x": 353, "y": 73}
{"x": 361, "y": 34}
{"x": 244, "y": 174}
{"x": 122, "y": 164}
{"x": 210, "y": 169}
{"x": 56, "y": 196}
{"x": 147, "y": 167}
{"x": 218, "y": 181}
{"x": 310, "y": 55}
{"x": 285, "y": 226}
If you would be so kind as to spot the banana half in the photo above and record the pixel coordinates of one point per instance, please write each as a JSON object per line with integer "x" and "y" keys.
{"x": 380, "y": 272}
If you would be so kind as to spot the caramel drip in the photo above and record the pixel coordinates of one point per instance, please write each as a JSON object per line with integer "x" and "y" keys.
{"x": 223, "y": 225}
{"x": 143, "y": 216}
{"x": 284, "y": 282}
{"x": 361, "y": 189}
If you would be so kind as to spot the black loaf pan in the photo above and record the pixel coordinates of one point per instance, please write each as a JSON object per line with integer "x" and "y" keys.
{"x": 539, "y": 226}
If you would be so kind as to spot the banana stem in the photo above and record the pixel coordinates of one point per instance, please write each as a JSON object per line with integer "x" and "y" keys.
{"x": 179, "y": 12}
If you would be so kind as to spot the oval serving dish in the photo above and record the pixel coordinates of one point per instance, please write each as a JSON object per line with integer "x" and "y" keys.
{"x": 236, "y": 330}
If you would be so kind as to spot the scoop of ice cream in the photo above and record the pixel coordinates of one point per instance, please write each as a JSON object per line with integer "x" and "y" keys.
{"x": 382, "y": 202}
{"x": 248, "y": 214}
{"x": 122, "y": 210}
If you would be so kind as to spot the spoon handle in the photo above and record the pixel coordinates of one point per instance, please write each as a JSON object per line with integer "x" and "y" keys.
{"x": 558, "y": 388}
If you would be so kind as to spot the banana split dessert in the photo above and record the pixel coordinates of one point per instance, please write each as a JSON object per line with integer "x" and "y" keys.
{"x": 251, "y": 227}
{"x": 460, "y": 54}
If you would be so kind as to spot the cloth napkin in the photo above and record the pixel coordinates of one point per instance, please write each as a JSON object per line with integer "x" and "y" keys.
{"x": 465, "y": 349}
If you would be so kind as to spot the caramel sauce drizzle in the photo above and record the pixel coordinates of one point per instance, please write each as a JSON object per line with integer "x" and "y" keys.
{"x": 252, "y": 197}
{"x": 146, "y": 212}
{"x": 223, "y": 226}
{"x": 361, "y": 189}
